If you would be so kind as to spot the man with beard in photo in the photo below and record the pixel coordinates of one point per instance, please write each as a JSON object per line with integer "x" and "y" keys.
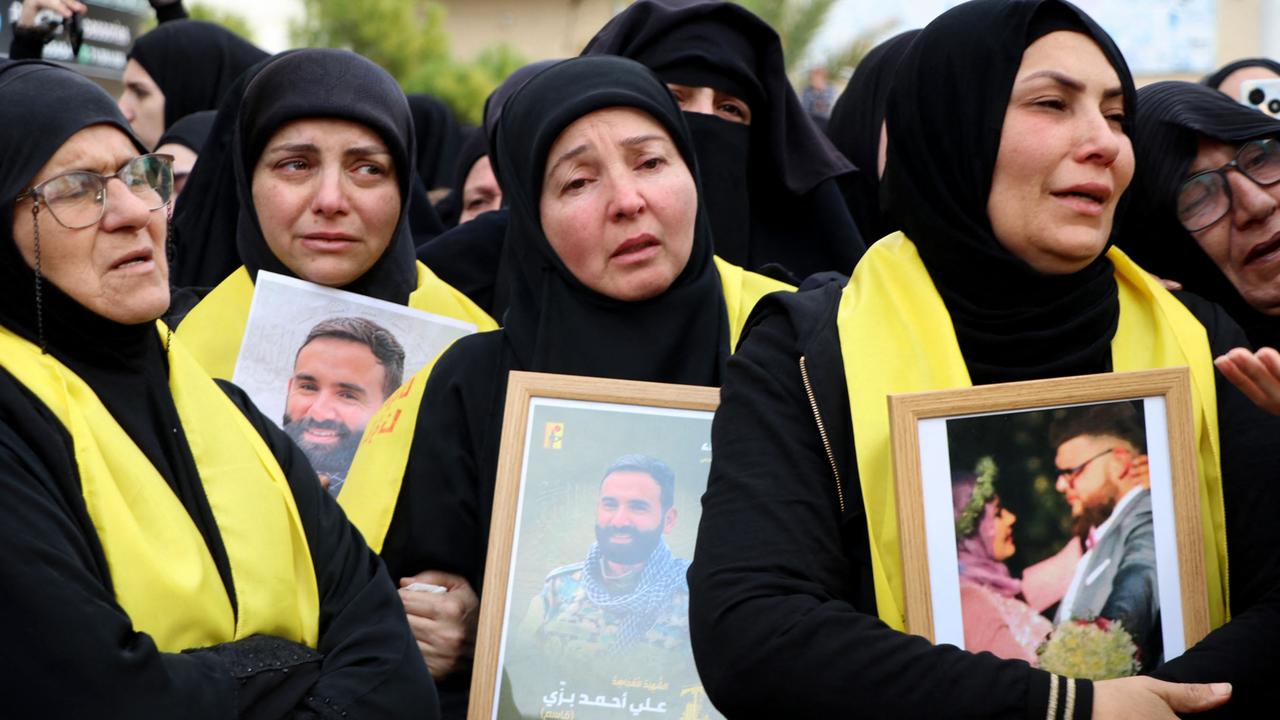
{"x": 630, "y": 592}
{"x": 1102, "y": 472}
{"x": 346, "y": 368}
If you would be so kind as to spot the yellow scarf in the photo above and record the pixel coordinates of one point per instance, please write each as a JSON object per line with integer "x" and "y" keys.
{"x": 215, "y": 327}
{"x": 373, "y": 482}
{"x": 163, "y": 574}
{"x": 891, "y": 311}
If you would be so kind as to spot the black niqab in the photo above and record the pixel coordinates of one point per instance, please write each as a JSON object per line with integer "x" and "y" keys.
{"x": 193, "y": 63}
{"x": 854, "y": 128}
{"x": 323, "y": 83}
{"x": 191, "y": 131}
{"x": 1215, "y": 78}
{"x": 1012, "y": 322}
{"x": 1172, "y": 116}
{"x": 769, "y": 188}
{"x": 125, "y": 365}
{"x": 555, "y": 323}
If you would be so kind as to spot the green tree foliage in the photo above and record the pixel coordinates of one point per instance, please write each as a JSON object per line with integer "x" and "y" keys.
{"x": 797, "y": 23}
{"x": 408, "y": 39}
{"x": 228, "y": 19}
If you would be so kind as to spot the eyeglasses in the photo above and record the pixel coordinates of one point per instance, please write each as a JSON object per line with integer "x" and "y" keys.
{"x": 1205, "y": 198}
{"x": 78, "y": 199}
{"x": 1069, "y": 475}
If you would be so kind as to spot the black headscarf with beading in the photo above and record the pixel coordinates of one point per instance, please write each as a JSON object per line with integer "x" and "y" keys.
{"x": 769, "y": 186}
{"x": 1172, "y": 117}
{"x": 1012, "y": 322}
{"x": 557, "y": 324}
{"x": 193, "y": 63}
{"x": 324, "y": 83}
{"x": 854, "y": 128}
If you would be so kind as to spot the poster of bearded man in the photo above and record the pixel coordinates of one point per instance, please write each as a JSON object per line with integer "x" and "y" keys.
{"x": 322, "y": 361}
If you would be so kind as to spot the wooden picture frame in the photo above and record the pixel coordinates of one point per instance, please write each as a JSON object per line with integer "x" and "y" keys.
{"x": 634, "y": 418}
{"x": 931, "y": 431}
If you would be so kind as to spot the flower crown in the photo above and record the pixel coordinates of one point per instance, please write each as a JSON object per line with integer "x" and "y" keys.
{"x": 983, "y": 490}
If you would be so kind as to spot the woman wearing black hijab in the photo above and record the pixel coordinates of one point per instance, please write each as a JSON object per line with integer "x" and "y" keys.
{"x": 168, "y": 552}
{"x": 439, "y": 137}
{"x": 179, "y": 68}
{"x": 770, "y": 183}
{"x": 287, "y": 221}
{"x": 614, "y": 277}
{"x": 1224, "y": 256}
{"x": 1001, "y": 273}
{"x": 856, "y": 128}
{"x": 1228, "y": 78}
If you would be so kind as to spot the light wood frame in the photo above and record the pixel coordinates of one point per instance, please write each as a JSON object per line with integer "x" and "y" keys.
{"x": 522, "y": 388}
{"x": 907, "y": 410}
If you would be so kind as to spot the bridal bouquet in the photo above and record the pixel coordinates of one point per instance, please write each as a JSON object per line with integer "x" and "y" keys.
{"x": 1097, "y": 649}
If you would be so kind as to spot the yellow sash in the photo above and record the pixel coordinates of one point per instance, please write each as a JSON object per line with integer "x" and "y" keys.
{"x": 373, "y": 482}
{"x": 162, "y": 571}
{"x": 215, "y": 327}
{"x": 900, "y": 338}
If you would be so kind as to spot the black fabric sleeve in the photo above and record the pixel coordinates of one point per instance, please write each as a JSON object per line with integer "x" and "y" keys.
{"x": 441, "y": 520}
{"x": 27, "y": 44}
{"x": 70, "y": 650}
{"x": 371, "y": 667}
{"x": 775, "y": 624}
{"x": 1245, "y": 651}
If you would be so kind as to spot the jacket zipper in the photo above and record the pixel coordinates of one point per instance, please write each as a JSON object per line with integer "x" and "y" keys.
{"x": 822, "y": 430}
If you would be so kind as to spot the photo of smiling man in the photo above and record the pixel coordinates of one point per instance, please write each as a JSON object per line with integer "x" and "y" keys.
{"x": 342, "y": 373}
{"x": 630, "y": 591}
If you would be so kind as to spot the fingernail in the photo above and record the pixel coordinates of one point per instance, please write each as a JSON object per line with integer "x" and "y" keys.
{"x": 1220, "y": 689}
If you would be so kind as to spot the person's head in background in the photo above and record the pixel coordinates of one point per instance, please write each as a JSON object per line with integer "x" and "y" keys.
{"x": 184, "y": 141}
{"x": 181, "y": 67}
{"x": 1229, "y": 78}
{"x": 1205, "y": 199}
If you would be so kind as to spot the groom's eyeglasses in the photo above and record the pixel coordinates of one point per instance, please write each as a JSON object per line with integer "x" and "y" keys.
{"x": 1069, "y": 475}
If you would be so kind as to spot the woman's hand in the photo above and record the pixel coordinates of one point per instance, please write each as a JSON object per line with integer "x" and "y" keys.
{"x": 1144, "y": 698}
{"x": 1257, "y": 374}
{"x": 31, "y": 8}
{"x": 444, "y": 624}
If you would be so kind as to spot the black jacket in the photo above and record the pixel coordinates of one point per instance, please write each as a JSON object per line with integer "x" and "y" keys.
{"x": 782, "y": 608}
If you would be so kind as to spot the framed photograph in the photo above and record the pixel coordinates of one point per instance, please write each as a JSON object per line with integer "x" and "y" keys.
{"x": 596, "y": 509}
{"x": 1055, "y": 521}
{"x": 320, "y": 362}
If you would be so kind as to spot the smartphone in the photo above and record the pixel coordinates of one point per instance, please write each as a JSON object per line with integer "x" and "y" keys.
{"x": 1263, "y": 95}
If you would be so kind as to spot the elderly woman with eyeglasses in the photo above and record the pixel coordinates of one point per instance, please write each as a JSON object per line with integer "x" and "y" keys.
{"x": 168, "y": 552}
{"x": 1206, "y": 214}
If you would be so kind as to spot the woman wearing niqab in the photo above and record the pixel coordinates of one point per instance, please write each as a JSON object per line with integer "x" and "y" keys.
{"x": 168, "y": 552}
{"x": 436, "y": 516}
{"x": 770, "y": 186}
{"x": 855, "y": 128}
{"x": 303, "y": 85}
{"x": 1001, "y": 272}
{"x": 1172, "y": 119}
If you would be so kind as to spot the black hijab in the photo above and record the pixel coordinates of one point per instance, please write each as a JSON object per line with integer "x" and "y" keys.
{"x": 1012, "y": 322}
{"x": 125, "y": 365}
{"x": 469, "y": 256}
{"x": 854, "y": 128}
{"x": 1215, "y": 78}
{"x": 439, "y": 137}
{"x": 323, "y": 83}
{"x": 191, "y": 131}
{"x": 1172, "y": 116}
{"x": 555, "y": 323}
{"x": 779, "y": 168}
{"x": 194, "y": 63}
